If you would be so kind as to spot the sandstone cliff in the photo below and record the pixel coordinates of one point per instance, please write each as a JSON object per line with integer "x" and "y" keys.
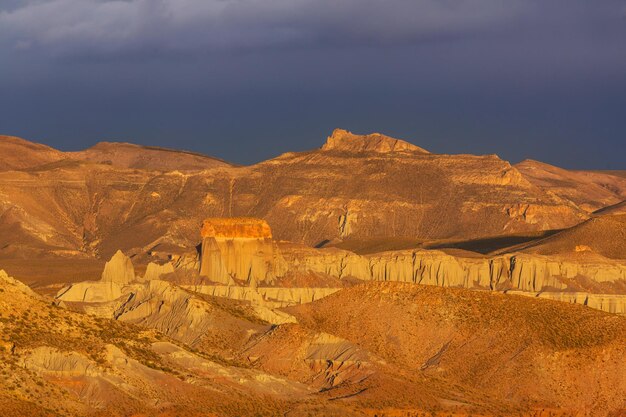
{"x": 532, "y": 273}
{"x": 525, "y": 272}
{"x": 237, "y": 249}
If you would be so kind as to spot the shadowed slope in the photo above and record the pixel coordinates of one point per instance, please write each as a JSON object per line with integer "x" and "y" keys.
{"x": 619, "y": 208}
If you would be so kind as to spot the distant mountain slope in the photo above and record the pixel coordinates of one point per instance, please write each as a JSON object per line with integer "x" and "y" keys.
{"x": 16, "y": 153}
{"x": 589, "y": 190}
{"x": 19, "y": 154}
{"x": 127, "y": 155}
{"x": 308, "y": 197}
{"x": 338, "y": 193}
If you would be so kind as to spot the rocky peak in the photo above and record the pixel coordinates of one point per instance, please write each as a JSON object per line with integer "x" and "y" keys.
{"x": 119, "y": 269}
{"x": 374, "y": 142}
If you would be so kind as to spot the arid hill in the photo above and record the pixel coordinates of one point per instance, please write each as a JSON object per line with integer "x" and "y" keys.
{"x": 386, "y": 190}
{"x": 56, "y": 362}
{"x": 370, "y": 349}
{"x": 589, "y": 190}
{"x": 365, "y": 278}
{"x": 128, "y": 155}
{"x": 17, "y": 153}
{"x": 619, "y": 208}
{"x": 531, "y": 354}
{"x": 604, "y": 235}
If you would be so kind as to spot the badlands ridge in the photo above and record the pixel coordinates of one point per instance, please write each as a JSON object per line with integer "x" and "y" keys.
{"x": 368, "y": 277}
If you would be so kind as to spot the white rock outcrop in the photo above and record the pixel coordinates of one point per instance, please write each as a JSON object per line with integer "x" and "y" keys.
{"x": 155, "y": 271}
{"x": 119, "y": 269}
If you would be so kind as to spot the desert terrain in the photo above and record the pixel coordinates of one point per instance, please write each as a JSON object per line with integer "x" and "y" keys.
{"x": 368, "y": 277}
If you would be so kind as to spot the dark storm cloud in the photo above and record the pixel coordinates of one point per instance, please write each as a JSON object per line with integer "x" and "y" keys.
{"x": 246, "y": 79}
{"x": 77, "y": 26}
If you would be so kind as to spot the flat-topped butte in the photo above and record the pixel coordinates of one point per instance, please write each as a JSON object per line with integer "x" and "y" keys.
{"x": 236, "y": 227}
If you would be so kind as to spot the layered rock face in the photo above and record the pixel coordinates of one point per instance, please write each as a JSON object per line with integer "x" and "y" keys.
{"x": 231, "y": 248}
{"x": 270, "y": 297}
{"x": 524, "y": 272}
{"x": 241, "y": 251}
{"x": 335, "y": 193}
{"x": 252, "y": 268}
{"x": 237, "y": 249}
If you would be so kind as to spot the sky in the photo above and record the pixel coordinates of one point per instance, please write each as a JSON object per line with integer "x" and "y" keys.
{"x": 246, "y": 80}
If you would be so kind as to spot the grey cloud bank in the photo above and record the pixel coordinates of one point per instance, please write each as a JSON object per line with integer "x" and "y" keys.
{"x": 248, "y": 79}
{"x": 76, "y": 26}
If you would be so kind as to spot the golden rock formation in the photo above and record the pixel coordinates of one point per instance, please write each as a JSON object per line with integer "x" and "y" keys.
{"x": 433, "y": 267}
{"x": 235, "y": 227}
{"x": 118, "y": 272}
{"x": 375, "y": 142}
{"x": 237, "y": 249}
{"x": 519, "y": 271}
